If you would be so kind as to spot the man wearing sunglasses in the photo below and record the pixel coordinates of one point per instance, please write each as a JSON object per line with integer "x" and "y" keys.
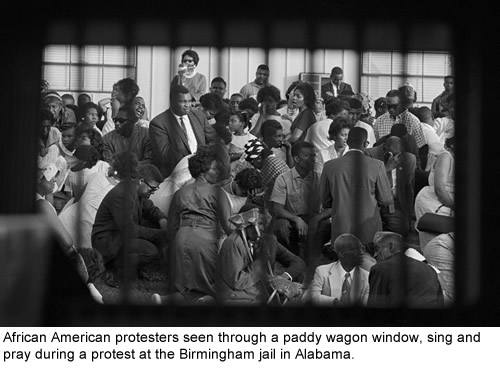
{"x": 127, "y": 136}
{"x": 128, "y": 228}
{"x": 397, "y": 112}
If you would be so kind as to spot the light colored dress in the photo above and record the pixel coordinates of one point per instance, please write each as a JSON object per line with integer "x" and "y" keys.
{"x": 428, "y": 202}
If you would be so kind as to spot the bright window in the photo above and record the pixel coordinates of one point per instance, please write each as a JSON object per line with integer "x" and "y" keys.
{"x": 383, "y": 71}
{"x": 70, "y": 68}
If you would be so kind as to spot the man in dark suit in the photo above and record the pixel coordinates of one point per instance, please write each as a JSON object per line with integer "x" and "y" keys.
{"x": 353, "y": 186}
{"x": 178, "y": 131}
{"x": 400, "y": 167}
{"x": 335, "y": 87}
{"x": 398, "y": 280}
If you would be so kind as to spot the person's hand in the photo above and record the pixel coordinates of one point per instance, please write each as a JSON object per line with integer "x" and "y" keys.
{"x": 163, "y": 224}
{"x": 301, "y": 226}
{"x": 283, "y": 228}
{"x": 392, "y": 161}
{"x": 286, "y": 144}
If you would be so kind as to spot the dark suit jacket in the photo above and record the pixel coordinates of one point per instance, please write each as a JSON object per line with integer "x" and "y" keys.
{"x": 354, "y": 185}
{"x": 169, "y": 142}
{"x": 401, "y": 280}
{"x": 243, "y": 279}
{"x": 405, "y": 177}
{"x": 327, "y": 87}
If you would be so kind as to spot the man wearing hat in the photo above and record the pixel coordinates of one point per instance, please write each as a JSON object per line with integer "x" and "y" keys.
{"x": 62, "y": 115}
{"x": 245, "y": 266}
{"x": 127, "y": 136}
{"x": 335, "y": 87}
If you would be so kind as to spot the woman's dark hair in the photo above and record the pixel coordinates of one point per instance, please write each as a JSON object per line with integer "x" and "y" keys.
{"x": 95, "y": 138}
{"x": 249, "y": 179}
{"x": 243, "y": 116}
{"x": 201, "y": 161}
{"x": 223, "y": 132}
{"x": 211, "y": 101}
{"x": 125, "y": 164}
{"x": 308, "y": 93}
{"x": 88, "y": 154}
{"x": 281, "y": 104}
{"x": 339, "y": 123}
{"x": 291, "y": 87}
{"x": 268, "y": 91}
{"x": 250, "y": 104}
{"x": 128, "y": 86}
{"x": 193, "y": 54}
{"x": 86, "y": 107}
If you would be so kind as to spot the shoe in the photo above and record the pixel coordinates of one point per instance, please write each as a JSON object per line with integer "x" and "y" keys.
{"x": 156, "y": 299}
{"x": 112, "y": 281}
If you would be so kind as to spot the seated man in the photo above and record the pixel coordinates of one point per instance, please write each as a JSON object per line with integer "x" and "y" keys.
{"x": 295, "y": 202}
{"x": 400, "y": 167}
{"x": 398, "y": 280}
{"x": 120, "y": 228}
{"x": 245, "y": 266}
{"x": 343, "y": 282}
{"x": 127, "y": 136}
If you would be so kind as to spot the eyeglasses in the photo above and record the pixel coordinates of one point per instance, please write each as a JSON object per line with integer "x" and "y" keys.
{"x": 151, "y": 188}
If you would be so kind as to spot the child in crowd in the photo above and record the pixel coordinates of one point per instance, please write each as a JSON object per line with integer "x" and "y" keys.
{"x": 239, "y": 126}
{"x": 90, "y": 115}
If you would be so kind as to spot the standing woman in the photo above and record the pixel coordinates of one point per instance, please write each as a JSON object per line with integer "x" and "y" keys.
{"x": 197, "y": 213}
{"x": 187, "y": 75}
{"x": 304, "y": 99}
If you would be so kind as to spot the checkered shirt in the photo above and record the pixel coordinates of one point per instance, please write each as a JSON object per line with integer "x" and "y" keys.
{"x": 384, "y": 124}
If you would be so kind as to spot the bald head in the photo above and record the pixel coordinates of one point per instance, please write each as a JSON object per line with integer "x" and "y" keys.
{"x": 393, "y": 144}
{"x": 348, "y": 248}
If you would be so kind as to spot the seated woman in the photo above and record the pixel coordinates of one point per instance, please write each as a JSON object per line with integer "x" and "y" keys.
{"x": 78, "y": 217}
{"x": 243, "y": 188}
{"x": 245, "y": 266}
{"x": 80, "y": 172}
{"x": 438, "y": 197}
{"x": 46, "y": 184}
{"x": 197, "y": 213}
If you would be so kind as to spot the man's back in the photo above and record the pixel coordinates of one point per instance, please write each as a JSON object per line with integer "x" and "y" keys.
{"x": 352, "y": 186}
{"x": 401, "y": 280}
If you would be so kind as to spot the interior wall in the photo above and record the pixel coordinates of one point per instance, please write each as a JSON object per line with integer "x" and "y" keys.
{"x": 157, "y": 65}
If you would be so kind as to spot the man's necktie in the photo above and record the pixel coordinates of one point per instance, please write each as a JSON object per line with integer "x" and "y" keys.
{"x": 346, "y": 289}
{"x": 183, "y": 126}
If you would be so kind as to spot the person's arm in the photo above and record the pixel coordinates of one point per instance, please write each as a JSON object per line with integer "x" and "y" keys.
{"x": 383, "y": 192}
{"x": 289, "y": 158}
{"x": 315, "y": 290}
{"x": 238, "y": 273}
{"x": 224, "y": 211}
{"x": 160, "y": 141}
{"x": 303, "y": 121}
{"x": 62, "y": 236}
{"x": 442, "y": 168}
{"x": 258, "y": 125}
{"x": 107, "y": 151}
{"x": 324, "y": 188}
{"x": 147, "y": 149}
{"x": 294, "y": 265}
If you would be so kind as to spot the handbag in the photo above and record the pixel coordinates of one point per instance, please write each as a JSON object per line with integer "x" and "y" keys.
{"x": 434, "y": 223}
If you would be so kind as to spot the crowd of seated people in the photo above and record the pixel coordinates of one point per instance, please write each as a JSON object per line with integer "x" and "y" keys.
{"x": 237, "y": 198}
